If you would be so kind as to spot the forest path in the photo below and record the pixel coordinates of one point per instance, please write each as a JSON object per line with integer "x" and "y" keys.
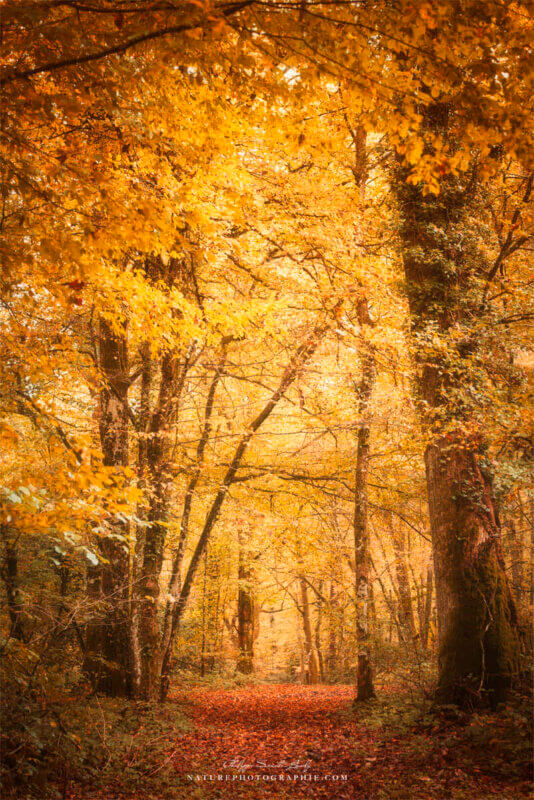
{"x": 270, "y": 741}
{"x": 288, "y": 741}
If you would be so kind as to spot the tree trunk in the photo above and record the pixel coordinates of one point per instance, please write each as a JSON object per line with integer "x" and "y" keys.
{"x": 143, "y": 427}
{"x": 10, "y": 576}
{"x": 159, "y": 480}
{"x": 203, "y": 622}
{"x": 365, "y": 689}
{"x": 478, "y": 630}
{"x": 479, "y": 644}
{"x": 245, "y": 611}
{"x": 318, "y": 622}
{"x": 310, "y": 654}
{"x": 364, "y": 680}
{"x": 107, "y": 658}
{"x": 332, "y": 655}
{"x": 427, "y": 608}
{"x": 404, "y": 593}
{"x": 157, "y": 477}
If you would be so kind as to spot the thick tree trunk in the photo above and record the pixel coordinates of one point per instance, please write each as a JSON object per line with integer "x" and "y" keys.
{"x": 157, "y": 479}
{"x": 478, "y": 630}
{"x": 107, "y": 658}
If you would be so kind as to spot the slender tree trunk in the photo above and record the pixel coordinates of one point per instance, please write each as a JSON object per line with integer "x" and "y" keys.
{"x": 404, "y": 592}
{"x": 304, "y": 676}
{"x": 10, "y": 576}
{"x": 310, "y": 654}
{"x": 317, "y": 636}
{"x": 365, "y": 689}
{"x": 364, "y": 680}
{"x": 107, "y": 657}
{"x": 142, "y": 513}
{"x": 520, "y": 550}
{"x": 332, "y": 653}
{"x": 245, "y": 610}
{"x": 159, "y": 481}
{"x": 427, "y": 608}
{"x": 343, "y": 654}
{"x": 479, "y": 643}
{"x": 203, "y": 623}
{"x": 372, "y": 610}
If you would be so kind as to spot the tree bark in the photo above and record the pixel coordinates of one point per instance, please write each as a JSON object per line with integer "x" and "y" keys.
{"x": 154, "y": 452}
{"x": 203, "y": 624}
{"x": 332, "y": 656}
{"x": 317, "y": 634}
{"x": 478, "y": 631}
{"x": 364, "y": 679}
{"x": 310, "y": 654}
{"x": 365, "y": 689}
{"x": 140, "y": 533}
{"x": 404, "y": 592}
{"x": 245, "y": 610}
{"x": 515, "y": 550}
{"x": 479, "y": 643}
{"x": 107, "y": 658}
{"x": 159, "y": 479}
{"x": 427, "y": 608}
{"x": 10, "y": 576}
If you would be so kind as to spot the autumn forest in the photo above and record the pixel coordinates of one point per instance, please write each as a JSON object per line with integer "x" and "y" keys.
{"x": 266, "y": 399}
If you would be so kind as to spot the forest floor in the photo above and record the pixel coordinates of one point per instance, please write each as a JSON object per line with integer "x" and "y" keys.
{"x": 304, "y": 741}
{"x": 284, "y": 741}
